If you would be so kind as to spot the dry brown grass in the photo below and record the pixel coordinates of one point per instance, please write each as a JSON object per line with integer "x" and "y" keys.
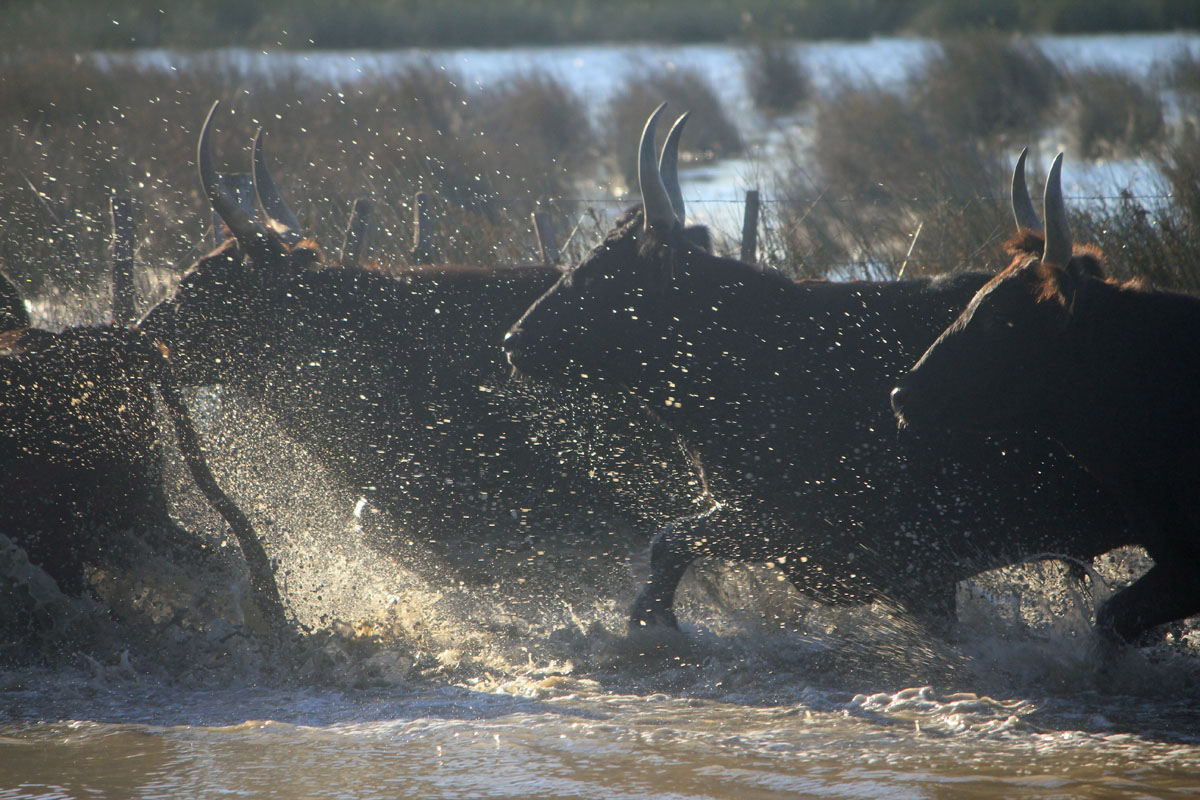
{"x": 987, "y": 86}
{"x": 1106, "y": 113}
{"x": 778, "y": 81}
{"x": 929, "y": 155}
{"x": 936, "y": 153}
{"x": 78, "y": 132}
{"x": 879, "y": 172}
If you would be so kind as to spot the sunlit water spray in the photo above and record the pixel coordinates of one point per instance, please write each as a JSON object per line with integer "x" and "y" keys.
{"x": 411, "y": 672}
{"x": 370, "y": 595}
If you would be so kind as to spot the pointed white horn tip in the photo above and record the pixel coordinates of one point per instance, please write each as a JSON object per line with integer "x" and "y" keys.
{"x": 651, "y": 127}
{"x": 1054, "y": 184}
{"x": 670, "y": 151}
{"x": 1020, "y": 167}
{"x": 1056, "y": 167}
{"x": 677, "y": 127}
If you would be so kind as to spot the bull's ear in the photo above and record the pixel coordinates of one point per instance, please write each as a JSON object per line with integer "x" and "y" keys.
{"x": 1067, "y": 287}
{"x": 1081, "y": 268}
{"x": 1086, "y": 262}
{"x": 699, "y": 236}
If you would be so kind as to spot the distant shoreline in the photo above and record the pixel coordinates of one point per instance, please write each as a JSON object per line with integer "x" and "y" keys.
{"x": 388, "y": 24}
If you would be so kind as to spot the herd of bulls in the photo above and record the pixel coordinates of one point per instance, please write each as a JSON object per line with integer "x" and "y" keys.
{"x": 1054, "y": 417}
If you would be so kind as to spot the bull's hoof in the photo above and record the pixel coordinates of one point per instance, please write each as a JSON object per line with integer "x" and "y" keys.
{"x": 651, "y": 615}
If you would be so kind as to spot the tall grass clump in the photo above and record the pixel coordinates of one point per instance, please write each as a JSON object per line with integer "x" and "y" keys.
{"x": 1179, "y": 163}
{"x": 880, "y": 170}
{"x": 1106, "y": 113}
{"x": 931, "y": 156}
{"x": 710, "y": 131}
{"x": 1158, "y": 242}
{"x": 777, "y": 80}
{"x": 540, "y": 116}
{"x": 1181, "y": 74}
{"x": 986, "y": 85}
{"x": 1182, "y": 71}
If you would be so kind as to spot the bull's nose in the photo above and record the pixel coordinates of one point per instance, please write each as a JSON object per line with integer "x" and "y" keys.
{"x": 899, "y": 397}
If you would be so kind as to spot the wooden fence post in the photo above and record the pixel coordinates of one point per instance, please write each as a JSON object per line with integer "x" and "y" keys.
{"x": 356, "y": 233}
{"x": 424, "y": 250}
{"x": 123, "y": 300}
{"x": 544, "y": 228}
{"x": 241, "y": 186}
{"x": 750, "y": 228}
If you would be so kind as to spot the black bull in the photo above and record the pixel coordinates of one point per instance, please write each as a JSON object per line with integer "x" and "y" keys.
{"x": 398, "y": 385}
{"x": 1110, "y": 371}
{"x": 782, "y": 388}
{"x": 80, "y": 459}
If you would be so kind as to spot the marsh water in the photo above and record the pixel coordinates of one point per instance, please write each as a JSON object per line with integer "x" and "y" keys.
{"x": 467, "y": 671}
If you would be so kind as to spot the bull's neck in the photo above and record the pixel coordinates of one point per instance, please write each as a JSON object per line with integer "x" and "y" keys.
{"x": 753, "y": 359}
{"x": 726, "y": 364}
{"x": 1134, "y": 372}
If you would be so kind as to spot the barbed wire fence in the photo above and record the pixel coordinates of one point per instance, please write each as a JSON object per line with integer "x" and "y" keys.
{"x": 760, "y": 218}
{"x": 750, "y": 227}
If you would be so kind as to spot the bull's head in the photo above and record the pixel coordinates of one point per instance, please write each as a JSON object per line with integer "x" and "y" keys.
{"x": 629, "y": 307}
{"x": 998, "y": 365}
{"x": 223, "y": 297}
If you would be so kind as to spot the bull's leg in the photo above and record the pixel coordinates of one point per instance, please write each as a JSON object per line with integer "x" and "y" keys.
{"x": 674, "y": 547}
{"x": 1163, "y": 594}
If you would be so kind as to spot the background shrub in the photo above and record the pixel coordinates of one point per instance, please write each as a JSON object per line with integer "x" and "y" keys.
{"x": 710, "y": 131}
{"x": 777, "y": 80}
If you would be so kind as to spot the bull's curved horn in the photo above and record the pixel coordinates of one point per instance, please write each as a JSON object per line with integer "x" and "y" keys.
{"x": 245, "y": 229}
{"x": 356, "y": 232}
{"x": 1058, "y": 231}
{"x": 668, "y": 167}
{"x": 279, "y": 216}
{"x": 656, "y": 203}
{"x": 1022, "y": 204}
